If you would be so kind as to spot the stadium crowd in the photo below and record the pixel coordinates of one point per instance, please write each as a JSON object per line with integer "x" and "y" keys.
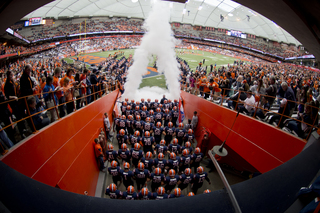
{"x": 122, "y": 24}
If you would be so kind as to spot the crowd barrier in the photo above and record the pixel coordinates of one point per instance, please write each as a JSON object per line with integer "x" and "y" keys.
{"x": 62, "y": 154}
{"x": 262, "y": 146}
{"x": 103, "y": 88}
{"x": 222, "y": 97}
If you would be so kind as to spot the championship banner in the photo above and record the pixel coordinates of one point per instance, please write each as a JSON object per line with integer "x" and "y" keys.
{"x": 181, "y": 111}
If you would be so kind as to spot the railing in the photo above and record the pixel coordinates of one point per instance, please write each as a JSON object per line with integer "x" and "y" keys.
{"x": 223, "y": 97}
{"x": 103, "y": 88}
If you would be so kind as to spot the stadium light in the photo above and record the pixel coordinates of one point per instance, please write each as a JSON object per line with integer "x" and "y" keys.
{"x": 184, "y": 11}
{"x": 134, "y": 1}
{"x": 230, "y": 14}
{"x": 200, "y": 7}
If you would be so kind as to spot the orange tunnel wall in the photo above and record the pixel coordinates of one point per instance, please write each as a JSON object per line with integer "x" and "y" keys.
{"x": 62, "y": 154}
{"x": 261, "y": 145}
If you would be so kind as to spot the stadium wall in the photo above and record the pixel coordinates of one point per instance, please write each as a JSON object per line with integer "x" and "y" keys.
{"x": 263, "y": 146}
{"x": 62, "y": 154}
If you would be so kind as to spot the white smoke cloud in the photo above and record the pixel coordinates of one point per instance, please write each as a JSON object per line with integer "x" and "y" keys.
{"x": 152, "y": 93}
{"x": 158, "y": 40}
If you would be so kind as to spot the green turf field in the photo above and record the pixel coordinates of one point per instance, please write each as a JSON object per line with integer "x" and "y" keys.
{"x": 193, "y": 59}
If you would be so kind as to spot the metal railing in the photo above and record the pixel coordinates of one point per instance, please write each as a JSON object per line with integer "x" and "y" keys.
{"x": 103, "y": 88}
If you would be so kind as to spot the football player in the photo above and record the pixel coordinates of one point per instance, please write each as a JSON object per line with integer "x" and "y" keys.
{"x": 160, "y": 162}
{"x": 141, "y": 174}
{"x": 180, "y": 133}
{"x": 113, "y": 192}
{"x": 174, "y": 147}
{"x": 111, "y": 154}
{"x": 135, "y": 138}
{"x": 148, "y": 161}
{"x": 124, "y": 153}
{"x": 130, "y": 194}
{"x": 145, "y": 194}
{"x": 168, "y": 132}
{"x": 171, "y": 181}
{"x": 157, "y": 130}
{"x": 144, "y": 113}
{"x": 136, "y": 154}
{"x": 185, "y": 179}
{"x": 160, "y": 194}
{"x": 196, "y": 158}
{"x": 114, "y": 170}
{"x": 176, "y": 193}
{"x": 198, "y": 179}
{"x": 157, "y": 179}
{"x": 174, "y": 162}
{"x": 126, "y": 175}
{"x": 122, "y": 137}
{"x": 161, "y": 148}
{"x": 147, "y": 142}
{"x": 185, "y": 160}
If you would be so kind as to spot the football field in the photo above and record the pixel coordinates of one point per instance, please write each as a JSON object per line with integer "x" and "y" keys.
{"x": 193, "y": 57}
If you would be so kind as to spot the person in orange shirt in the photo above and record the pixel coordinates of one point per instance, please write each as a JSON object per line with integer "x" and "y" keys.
{"x": 69, "y": 75}
{"x": 68, "y": 91}
{"x": 206, "y": 89}
{"x": 99, "y": 154}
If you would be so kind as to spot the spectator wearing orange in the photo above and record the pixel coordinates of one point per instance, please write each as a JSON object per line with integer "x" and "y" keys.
{"x": 68, "y": 90}
{"x": 99, "y": 154}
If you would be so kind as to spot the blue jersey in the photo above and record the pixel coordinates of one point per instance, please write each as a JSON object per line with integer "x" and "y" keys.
{"x": 124, "y": 154}
{"x": 147, "y": 126}
{"x": 175, "y": 115}
{"x": 151, "y": 118}
{"x": 147, "y": 142}
{"x": 186, "y": 179}
{"x": 127, "y": 196}
{"x": 199, "y": 178}
{"x": 129, "y": 124}
{"x": 174, "y": 164}
{"x": 134, "y": 140}
{"x": 185, "y": 160}
{"x": 160, "y": 163}
{"x": 190, "y": 138}
{"x": 123, "y": 109}
{"x": 155, "y": 105}
{"x": 126, "y": 176}
{"x": 157, "y": 132}
{"x": 136, "y": 154}
{"x": 141, "y": 175}
{"x": 111, "y": 155}
{"x": 114, "y": 171}
{"x": 158, "y": 116}
{"x": 160, "y": 197}
{"x": 157, "y": 178}
{"x": 180, "y": 133}
{"x": 161, "y": 149}
{"x": 138, "y": 125}
{"x": 128, "y": 112}
{"x": 147, "y": 197}
{"x": 172, "y": 181}
{"x": 167, "y": 117}
{"x": 122, "y": 124}
{"x": 114, "y": 195}
{"x": 136, "y": 113}
{"x": 174, "y": 148}
{"x": 122, "y": 139}
{"x": 169, "y": 131}
{"x": 144, "y": 114}
{"x": 149, "y": 105}
{"x": 197, "y": 158}
{"x": 147, "y": 163}
{"x": 116, "y": 121}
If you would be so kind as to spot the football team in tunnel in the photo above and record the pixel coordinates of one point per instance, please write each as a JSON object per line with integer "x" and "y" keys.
{"x": 153, "y": 147}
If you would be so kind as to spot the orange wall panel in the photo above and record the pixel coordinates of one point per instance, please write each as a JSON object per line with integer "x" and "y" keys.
{"x": 263, "y": 146}
{"x": 58, "y": 152}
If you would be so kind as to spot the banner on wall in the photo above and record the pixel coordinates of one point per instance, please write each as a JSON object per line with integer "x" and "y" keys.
{"x": 181, "y": 111}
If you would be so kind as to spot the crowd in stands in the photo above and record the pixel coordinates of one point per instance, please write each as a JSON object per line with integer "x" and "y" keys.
{"x": 91, "y": 25}
{"x": 6, "y": 49}
{"x": 252, "y": 89}
{"x": 52, "y": 84}
{"x": 162, "y": 152}
{"x": 122, "y": 24}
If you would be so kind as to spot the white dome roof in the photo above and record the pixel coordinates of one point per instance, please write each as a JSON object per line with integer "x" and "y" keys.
{"x": 235, "y": 15}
